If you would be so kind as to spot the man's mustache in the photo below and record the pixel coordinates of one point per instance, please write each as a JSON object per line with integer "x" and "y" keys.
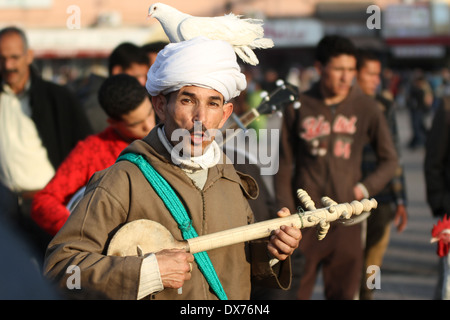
{"x": 8, "y": 71}
{"x": 201, "y": 128}
{"x": 196, "y": 128}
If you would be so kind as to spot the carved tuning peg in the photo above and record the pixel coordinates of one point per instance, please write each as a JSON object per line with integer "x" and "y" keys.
{"x": 322, "y": 229}
{"x": 304, "y": 198}
{"x": 324, "y": 226}
{"x": 327, "y": 201}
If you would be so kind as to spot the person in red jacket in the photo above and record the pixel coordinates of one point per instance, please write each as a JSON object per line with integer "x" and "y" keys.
{"x": 130, "y": 116}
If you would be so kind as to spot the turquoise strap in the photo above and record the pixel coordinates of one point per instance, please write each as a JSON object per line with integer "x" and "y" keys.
{"x": 176, "y": 208}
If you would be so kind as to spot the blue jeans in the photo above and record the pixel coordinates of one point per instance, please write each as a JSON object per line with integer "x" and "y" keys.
{"x": 418, "y": 128}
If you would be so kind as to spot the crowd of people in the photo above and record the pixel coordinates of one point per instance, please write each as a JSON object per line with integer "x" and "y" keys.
{"x": 79, "y": 162}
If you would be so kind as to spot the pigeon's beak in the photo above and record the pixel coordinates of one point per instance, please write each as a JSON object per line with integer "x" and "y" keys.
{"x": 434, "y": 239}
{"x": 149, "y": 15}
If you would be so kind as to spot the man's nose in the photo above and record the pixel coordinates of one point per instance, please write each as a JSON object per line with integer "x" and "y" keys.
{"x": 8, "y": 63}
{"x": 147, "y": 126}
{"x": 199, "y": 114}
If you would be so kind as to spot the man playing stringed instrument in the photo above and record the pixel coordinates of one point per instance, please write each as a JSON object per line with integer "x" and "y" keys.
{"x": 192, "y": 192}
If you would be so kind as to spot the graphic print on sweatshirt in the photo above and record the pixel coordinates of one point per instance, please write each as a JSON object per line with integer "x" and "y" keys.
{"x": 317, "y": 130}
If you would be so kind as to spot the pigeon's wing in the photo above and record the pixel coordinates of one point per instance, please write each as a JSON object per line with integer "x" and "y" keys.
{"x": 230, "y": 28}
{"x": 242, "y": 34}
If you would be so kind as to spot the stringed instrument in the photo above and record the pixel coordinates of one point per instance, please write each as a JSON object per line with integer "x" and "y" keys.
{"x": 140, "y": 237}
{"x": 271, "y": 103}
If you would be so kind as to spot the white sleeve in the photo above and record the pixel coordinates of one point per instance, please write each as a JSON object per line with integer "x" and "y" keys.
{"x": 150, "y": 279}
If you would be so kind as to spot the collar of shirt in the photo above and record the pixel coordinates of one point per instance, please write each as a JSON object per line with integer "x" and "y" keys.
{"x": 25, "y": 92}
{"x": 22, "y": 96}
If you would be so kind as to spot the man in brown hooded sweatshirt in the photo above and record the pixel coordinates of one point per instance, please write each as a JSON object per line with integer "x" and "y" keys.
{"x": 320, "y": 151}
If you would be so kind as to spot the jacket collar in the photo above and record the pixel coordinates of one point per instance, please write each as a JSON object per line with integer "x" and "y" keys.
{"x": 315, "y": 92}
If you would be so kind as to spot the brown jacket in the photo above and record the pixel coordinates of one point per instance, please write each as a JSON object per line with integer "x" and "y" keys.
{"x": 121, "y": 194}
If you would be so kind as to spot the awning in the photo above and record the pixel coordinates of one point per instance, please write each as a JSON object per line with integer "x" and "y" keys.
{"x": 88, "y": 42}
{"x": 288, "y": 33}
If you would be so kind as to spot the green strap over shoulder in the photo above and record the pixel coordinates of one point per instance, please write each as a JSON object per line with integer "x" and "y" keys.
{"x": 176, "y": 208}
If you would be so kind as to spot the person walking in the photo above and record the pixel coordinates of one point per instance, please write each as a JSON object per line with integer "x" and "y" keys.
{"x": 392, "y": 199}
{"x": 321, "y": 149}
{"x": 40, "y": 123}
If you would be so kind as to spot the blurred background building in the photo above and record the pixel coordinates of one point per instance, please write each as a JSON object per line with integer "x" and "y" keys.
{"x": 71, "y": 38}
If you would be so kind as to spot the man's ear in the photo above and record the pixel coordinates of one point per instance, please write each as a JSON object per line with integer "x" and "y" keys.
{"x": 116, "y": 70}
{"x": 159, "y": 105}
{"x": 111, "y": 121}
{"x": 227, "y": 111}
{"x": 30, "y": 56}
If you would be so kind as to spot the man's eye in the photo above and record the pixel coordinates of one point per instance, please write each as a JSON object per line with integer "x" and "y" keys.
{"x": 14, "y": 58}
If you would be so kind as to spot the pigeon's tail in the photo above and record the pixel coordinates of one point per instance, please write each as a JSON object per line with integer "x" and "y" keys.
{"x": 247, "y": 55}
{"x": 263, "y": 43}
{"x": 250, "y": 25}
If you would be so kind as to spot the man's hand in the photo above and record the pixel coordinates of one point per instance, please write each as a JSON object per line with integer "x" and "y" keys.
{"x": 401, "y": 218}
{"x": 285, "y": 240}
{"x": 175, "y": 267}
{"x": 358, "y": 192}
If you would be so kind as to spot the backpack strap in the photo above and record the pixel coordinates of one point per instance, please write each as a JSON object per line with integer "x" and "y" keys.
{"x": 176, "y": 208}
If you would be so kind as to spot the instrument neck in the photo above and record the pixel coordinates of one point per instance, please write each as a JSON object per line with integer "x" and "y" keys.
{"x": 245, "y": 233}
{"x": 239, "y": 124}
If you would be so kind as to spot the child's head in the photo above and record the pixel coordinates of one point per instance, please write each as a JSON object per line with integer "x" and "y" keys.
{"x": 130, "y": 59}
{"x": 128, "y": 106}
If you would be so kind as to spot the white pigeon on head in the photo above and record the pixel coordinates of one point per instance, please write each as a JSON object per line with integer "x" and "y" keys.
{"x": 243, "y": 34}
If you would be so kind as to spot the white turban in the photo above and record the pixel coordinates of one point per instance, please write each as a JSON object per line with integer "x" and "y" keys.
{"x": 197, "y": 62}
